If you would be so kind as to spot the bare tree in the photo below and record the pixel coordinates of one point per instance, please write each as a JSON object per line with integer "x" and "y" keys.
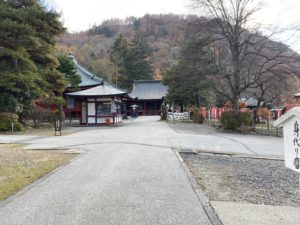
{"x": 249, "y": 60}
{"x": 273, "y": 68}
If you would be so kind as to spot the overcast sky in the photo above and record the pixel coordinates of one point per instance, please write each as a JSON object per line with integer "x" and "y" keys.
{"x": 80, "y": 15}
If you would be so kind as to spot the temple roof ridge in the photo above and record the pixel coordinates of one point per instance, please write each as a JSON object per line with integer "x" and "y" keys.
{"x": 87, "y": 78}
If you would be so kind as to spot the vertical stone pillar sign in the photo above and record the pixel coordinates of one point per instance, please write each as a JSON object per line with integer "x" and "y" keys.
{"x": 291, "y": 135}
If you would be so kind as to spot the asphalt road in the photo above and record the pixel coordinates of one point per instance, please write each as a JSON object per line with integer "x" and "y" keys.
{"x": 129, "y": 175}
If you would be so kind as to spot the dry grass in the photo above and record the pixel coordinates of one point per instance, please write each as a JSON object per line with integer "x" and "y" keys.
{"x": 19, "y": 167}
{"x": 45, "y": 132}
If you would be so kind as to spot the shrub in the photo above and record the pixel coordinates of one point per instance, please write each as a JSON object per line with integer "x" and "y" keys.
{"x": 55, "y": 116}
{"x": 264, "y": 113}
{"x": 196, "y": 116}
{"x": 236, "y": 120}
{"x": 6, "y": 120}
{"x": 39, "y": 116}
{"x": 42, "y": 115}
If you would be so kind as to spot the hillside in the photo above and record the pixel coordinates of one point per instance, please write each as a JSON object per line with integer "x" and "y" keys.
{"x": 164, "y": 34}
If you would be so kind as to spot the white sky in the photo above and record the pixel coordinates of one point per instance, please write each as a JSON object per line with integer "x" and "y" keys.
{"x": 82, "y": 14}
{"x": 79, "y": 15}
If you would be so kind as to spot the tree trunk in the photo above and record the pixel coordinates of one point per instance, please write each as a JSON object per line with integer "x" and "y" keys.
{"x": 235, "y": 101}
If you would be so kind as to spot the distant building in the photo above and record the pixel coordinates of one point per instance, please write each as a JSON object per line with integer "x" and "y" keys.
{"x": 292, "y": 101}
{"x": 147, "y": 96}
{"x": 251, "y": 102}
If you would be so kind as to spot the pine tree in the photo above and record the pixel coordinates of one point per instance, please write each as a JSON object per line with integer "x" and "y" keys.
{"x": 68, "y": 68}
{"x": 132, "y": 60}
{"x": 138, "y": 59}
{"x": 27, "y": 65}
{"x": 118, "y": 54}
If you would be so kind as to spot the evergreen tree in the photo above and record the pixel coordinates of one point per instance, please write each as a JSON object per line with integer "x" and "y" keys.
{"x": 137, "y": 61}
{"x": 27, "y": 32}
{"x": 8, "y": 103}
{"x": 132, "y": 60}
{"x": 187, "y": 78}
{"x": 68, "y": 68}
{"x": 118, "y": 54}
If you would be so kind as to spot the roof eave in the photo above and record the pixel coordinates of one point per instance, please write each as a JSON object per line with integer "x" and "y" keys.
{"x": 79, "y": 95}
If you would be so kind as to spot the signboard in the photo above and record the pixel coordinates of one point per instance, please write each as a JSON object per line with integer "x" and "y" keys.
{"x": 292, "y": 144}
{"x": 57, "y": 127}
{"x": 291, "y": 131}
{"x": 295, "y": 156}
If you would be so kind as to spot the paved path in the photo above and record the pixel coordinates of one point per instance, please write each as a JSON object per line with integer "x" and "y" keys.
{"x": 129, "y": 175}
{"x": 201, "y": 138}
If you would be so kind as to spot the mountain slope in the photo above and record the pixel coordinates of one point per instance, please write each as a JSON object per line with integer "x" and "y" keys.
{"x": 164, "y": 34}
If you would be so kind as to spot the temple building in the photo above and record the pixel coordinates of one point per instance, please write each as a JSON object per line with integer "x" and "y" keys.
{"x": 88, "y": 80}
{"x": 95, "y": 101}
{"x": 147, "y": 96}
{"x": 100, "y": 105}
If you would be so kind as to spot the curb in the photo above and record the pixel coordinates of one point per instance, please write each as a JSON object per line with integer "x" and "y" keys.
{"x": 236, "y": 155}
{"x": 208, "y": 209}
{"x": 38, "y": 181}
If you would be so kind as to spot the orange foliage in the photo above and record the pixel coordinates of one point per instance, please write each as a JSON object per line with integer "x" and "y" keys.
{"x": 242, "y": 105}
{"x": 228, "y": 105}
{"x": 264, "y": 113}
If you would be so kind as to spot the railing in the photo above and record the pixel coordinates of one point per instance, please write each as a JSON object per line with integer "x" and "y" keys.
{"x": 267, "y": 128}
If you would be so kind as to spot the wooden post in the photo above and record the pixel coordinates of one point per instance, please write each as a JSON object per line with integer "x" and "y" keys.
{"x": 60, "y": 115}
{"x": 209, "y": 118}
{"x": 173, "y": 111}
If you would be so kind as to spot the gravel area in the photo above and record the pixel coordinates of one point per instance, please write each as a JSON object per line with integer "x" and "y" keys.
{"x": 238, "y": 179}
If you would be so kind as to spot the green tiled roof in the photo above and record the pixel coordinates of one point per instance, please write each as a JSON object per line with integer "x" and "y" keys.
{"x": 99, "y": 87}
{"x": 87, "y": 78}
{"x": 148, "y": 90}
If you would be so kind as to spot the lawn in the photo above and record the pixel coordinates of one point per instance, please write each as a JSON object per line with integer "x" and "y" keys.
{"x": 19, "y": 167}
